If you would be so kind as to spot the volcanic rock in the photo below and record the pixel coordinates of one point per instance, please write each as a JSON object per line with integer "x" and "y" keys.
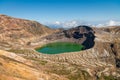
{"x": 82, "y": 33}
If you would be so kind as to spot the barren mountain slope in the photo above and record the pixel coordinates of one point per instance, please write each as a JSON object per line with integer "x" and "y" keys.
{"x": 14, "y": 31}
{"x": 14, "y": 67}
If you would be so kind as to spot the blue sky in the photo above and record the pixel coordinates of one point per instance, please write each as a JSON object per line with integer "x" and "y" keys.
{"x": 62, "y": 10}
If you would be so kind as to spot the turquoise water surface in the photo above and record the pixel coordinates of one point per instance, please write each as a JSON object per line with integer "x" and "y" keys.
{"x": 59, "y": 47}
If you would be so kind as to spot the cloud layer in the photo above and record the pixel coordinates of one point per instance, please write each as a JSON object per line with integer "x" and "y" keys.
{"x": 74, "y": 23}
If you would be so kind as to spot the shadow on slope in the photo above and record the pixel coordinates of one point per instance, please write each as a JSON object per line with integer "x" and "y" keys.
{"x": 82, "y": 34}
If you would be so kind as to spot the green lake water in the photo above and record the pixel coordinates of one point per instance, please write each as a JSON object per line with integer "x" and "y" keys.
{"x": 59, "y": 47}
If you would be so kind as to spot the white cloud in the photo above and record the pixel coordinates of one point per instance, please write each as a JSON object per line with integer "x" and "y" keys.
{"x": 66, "y": 24}
{"x": 57, "y": 22}
{"x": 74, "y": 23}
{"x": 109, "y": 23}
{"x": 70, "y": 24}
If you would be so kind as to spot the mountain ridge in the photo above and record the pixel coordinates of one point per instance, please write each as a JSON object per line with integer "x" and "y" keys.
{"x": 20, "y": 30}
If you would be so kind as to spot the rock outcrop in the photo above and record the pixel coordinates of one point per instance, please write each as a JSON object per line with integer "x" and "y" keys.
{"x": 81, "y": 34}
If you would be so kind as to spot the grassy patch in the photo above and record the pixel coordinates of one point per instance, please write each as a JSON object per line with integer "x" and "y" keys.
{"x": 80, "y": 75}
{"x": 42, "y": 62}
{"x": 109, "y": 78}
{"x": 60, "y": 69}
{"x": 19, "y": 51}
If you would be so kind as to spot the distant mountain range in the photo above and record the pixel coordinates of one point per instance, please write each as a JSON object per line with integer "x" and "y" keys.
{"x": 74, "y": 23}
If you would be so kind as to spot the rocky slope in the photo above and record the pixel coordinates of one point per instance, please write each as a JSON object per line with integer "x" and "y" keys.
{"x": 101, "y": 61}
{"x": 14, "y": 67}
{"x": 15, "y": 31}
